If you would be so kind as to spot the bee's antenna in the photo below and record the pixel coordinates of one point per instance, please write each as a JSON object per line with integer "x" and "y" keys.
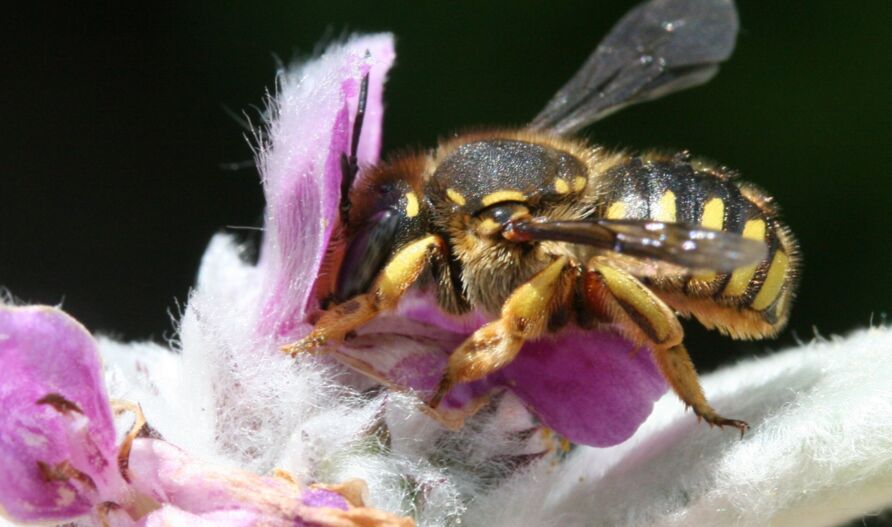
{"x": 349, "y": 164}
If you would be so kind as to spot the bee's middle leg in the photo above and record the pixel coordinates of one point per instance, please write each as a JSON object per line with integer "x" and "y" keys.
{"x": 645, "y": 319}
{"x": 398, "y": 275}
{"x": 524, "y": 315}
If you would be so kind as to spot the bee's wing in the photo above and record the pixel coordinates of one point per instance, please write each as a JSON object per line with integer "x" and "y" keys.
{"x": 659, "y": 47}
{"x": 641, "y": 267}
{"x": 683, "y": 246}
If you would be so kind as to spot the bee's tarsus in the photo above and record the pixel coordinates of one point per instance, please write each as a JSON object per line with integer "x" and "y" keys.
{"x": 308, "y": 344}
{"x": 442, "y": 389}
{"x": 722, "y": 422}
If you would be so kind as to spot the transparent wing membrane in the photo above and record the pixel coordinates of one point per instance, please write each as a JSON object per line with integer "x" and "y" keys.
{"x": 682, "y": 246}
{"x": 659, "y": 47}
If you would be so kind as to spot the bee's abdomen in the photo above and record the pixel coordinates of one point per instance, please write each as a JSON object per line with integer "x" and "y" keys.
{"x": 749, "y": 302}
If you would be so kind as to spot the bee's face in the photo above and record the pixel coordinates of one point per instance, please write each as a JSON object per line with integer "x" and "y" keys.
{"x": 480, "y": 241}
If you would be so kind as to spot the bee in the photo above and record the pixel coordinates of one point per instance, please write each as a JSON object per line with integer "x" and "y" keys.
{"x": 541, "y": 230}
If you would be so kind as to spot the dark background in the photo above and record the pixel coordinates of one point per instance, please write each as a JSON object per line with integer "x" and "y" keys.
{"x": 118, "y": 147}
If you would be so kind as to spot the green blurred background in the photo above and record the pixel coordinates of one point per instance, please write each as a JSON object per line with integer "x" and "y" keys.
{"x": 120, "y": 157}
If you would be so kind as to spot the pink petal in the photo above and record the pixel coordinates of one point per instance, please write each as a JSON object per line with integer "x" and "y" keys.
{"x": 407, "y": 354}
{"x": 593, "y": 388}
{"x": 323, "y": 498}
{"x": 44, "y": 352}
{"x": 421, "y": 305}
{"x": 190, "y": 489}
{"x": 169, "y": 516}
{"x": 168, "y": 475}
{"x": 301, "y": 168}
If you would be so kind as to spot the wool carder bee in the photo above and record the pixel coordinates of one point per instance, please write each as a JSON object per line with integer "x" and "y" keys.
{"x": 540, "y": 230}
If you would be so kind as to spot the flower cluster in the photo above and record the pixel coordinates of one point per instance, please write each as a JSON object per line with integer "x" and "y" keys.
{"x": 61, "y": 460}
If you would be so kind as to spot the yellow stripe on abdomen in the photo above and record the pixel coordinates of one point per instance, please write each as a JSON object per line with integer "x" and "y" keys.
{"x": 774, "y": 281}
{"x": 740, "y": 279}
{"x": 713, "y": 214}
{"x": 665, "y": 209}
{"x": 713, "y": 218}
{"x": 616, "y": 211}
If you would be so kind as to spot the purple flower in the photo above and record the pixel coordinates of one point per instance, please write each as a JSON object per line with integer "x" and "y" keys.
{"x": 60, "y": 459}
{"x": 591, "y": 387}
{"x": 300, "y": 162}
{"x": 59, "y": 454}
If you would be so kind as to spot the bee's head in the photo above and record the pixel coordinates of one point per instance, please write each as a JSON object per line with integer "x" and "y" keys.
{"x": 481, "y": 185}
{"x": 386, "y": 211}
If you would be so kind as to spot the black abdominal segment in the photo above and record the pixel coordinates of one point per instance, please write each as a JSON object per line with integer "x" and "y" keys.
{"x": 672, "y": 190}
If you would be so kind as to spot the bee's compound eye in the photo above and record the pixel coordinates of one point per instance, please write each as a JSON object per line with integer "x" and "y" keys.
{"x": 367, "y": 254}
{"x": 493, "y": 220}
{"x": 505, "y": 212}
{"x": 501, "y": 214}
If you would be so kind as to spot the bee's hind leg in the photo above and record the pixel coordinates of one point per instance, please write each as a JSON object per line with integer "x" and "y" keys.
{"x": 524, "y": 315}
{"x": 644, "y": 318}
{"x": 676, "y": 366}
{"x": 397, "y": 276}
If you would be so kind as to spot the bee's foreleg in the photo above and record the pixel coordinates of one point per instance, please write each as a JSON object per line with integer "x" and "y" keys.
{"x": 645, "y": 319}
{"x": 398, "y": 275}
{"x": 524, "y": 315}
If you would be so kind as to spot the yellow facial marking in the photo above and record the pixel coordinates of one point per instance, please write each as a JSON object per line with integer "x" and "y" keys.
{"x": 411, "y": 204}
{"x": 579, "y": 183}
{"x": 531, "y": 299}
{"x": 489, "y": 226}
{"x": 635, "y": 295}
{"x": 665, "y": 208}
{"x": 502, "y": 195}
{"x": 774, "y": 281}
{"x": 404, "y": 268}
{"x": 561, "y": 186}
{"x": 455, "y": 196}
{"x": 740, "y": 279}
{"x": 713, "y": 218}
{"x": 713, "y": 214}
{"x": 616, "y": 211}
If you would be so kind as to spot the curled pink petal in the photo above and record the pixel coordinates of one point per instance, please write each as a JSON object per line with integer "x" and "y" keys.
{"x": 169, "y": 516}
{"x": 591, "y": 387}
{"x": 422, "y": 306}
{"x": 300, "y": 162}
{"x": 323, "y": 498}
{"x": 407, "y": 354}
{"x": 57, "y": 439}
{"x": 169, "y": 476}
{"x": 594, "y": 388}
